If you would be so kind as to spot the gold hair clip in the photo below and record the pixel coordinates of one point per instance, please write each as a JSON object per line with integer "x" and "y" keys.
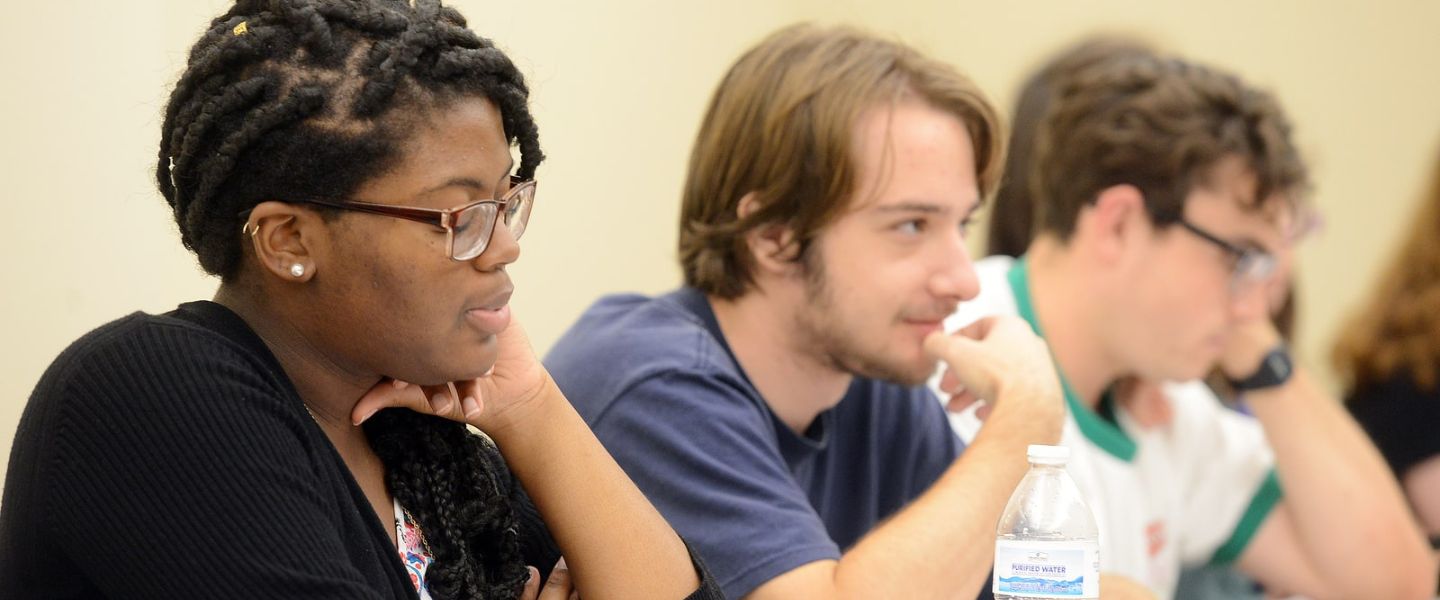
{"x": 241, "y": 29}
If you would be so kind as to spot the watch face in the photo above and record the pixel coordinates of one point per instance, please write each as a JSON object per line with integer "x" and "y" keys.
{"x": 1273, "y": 371}
{"x": 1279, "y": 365}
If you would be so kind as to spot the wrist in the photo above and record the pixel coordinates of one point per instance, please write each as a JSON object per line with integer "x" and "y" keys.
{"x": 523, "y": 416}
{"x": 1275, "y": 368}
{"x": 1033, "y": 410}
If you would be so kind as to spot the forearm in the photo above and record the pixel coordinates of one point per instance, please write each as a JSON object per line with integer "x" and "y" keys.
{"x": 615, "y": 543}
{"x": 943, "y": 544}
{"x": 1349, "y": 515}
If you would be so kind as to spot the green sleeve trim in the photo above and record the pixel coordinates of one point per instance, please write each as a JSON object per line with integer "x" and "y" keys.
{"x": 1265, "y": 499}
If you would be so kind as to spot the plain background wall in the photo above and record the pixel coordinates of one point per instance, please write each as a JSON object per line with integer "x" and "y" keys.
{"x": 618, "y": 89}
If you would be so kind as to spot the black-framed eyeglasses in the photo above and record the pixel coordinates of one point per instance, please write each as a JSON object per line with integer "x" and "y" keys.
{"x": 468, "y": 227}
{"x": 1249, "y": 266}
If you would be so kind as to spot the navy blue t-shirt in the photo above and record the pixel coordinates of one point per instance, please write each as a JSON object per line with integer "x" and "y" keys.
{"x": 658, "y": 384}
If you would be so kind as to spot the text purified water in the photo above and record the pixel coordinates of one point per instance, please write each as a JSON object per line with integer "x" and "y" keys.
{"x": 1047, "y": 545}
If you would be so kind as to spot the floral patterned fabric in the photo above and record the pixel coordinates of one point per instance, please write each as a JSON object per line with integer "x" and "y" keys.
{"x": 413, "y": 551}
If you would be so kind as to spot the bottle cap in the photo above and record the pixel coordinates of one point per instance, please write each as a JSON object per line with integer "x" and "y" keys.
{"x": 1040, "y": 453}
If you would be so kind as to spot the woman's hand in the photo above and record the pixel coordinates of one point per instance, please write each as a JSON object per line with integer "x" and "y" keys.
{"x": 557, "y": 587}
{"x": 622, "y": 547}
{"x": 494, "y": 401}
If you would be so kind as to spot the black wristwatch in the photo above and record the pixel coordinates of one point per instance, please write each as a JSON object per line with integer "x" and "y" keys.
{"x": 1275, "y": 369}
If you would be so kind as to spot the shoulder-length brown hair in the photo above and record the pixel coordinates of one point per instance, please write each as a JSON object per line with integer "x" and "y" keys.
{"x": 780, "y": 126}
{"x": 1397, "y": 331}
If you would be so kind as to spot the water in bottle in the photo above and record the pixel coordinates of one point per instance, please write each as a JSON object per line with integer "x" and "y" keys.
{"x": 1047, "y": 545}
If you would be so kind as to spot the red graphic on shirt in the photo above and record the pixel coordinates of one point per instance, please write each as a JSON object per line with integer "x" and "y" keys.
{"x": 1155, "y": 537}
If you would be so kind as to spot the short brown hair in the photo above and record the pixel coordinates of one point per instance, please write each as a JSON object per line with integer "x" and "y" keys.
{"x": 1012, "y": 216}
{"x": 780, "y": 125}
{"x": 1161, "y": 125}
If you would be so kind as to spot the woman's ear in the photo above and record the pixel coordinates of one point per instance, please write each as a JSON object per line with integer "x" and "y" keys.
{"x": 282, "y": 236}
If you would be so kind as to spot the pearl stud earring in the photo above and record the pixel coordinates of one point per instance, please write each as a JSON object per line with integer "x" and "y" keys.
{"x": 297, "y": 270}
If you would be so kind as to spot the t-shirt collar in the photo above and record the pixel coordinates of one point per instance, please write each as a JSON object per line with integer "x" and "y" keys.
{"x": 1102, "y": 432}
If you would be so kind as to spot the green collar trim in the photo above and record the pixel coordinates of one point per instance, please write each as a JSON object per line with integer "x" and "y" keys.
{"x": 1105, "y": 434}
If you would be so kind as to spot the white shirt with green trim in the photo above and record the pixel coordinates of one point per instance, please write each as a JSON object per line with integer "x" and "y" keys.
{"x": 1188, "y": 493}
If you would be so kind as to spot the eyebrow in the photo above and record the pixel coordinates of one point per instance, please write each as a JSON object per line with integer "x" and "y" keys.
{"x": 918, "y": 206}
{"x": 471, "y": 182}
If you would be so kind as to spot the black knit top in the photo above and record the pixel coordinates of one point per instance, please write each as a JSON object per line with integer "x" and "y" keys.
{"x": 169, "y": 456}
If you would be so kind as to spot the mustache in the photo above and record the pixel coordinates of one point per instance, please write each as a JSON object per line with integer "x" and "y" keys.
{"x": 934, "y": 312}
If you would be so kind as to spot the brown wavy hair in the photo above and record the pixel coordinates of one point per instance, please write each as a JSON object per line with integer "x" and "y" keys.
{"x": 1160, "y": 124}
{"x": 1397, "y": 331}
{"x": 780, "y": 126}
{"x": 1012, "y": 217}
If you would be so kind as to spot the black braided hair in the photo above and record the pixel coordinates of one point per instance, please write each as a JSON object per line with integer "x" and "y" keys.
{"x": 455, "y": 483}
{"x": 312, "y": 98}
{"x": 295, "y": 99}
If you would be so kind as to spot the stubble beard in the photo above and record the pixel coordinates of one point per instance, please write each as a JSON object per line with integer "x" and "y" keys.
{"x": 823, "y": 331}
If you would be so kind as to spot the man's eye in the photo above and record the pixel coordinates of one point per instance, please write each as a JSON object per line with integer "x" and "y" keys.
{"x": 911, "y": 227}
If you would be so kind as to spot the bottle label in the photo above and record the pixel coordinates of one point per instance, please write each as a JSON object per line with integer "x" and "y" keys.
{"x": 1059, "y": 569}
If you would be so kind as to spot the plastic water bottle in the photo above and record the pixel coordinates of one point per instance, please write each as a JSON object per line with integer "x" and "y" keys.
{"x": 1047, "y": 545}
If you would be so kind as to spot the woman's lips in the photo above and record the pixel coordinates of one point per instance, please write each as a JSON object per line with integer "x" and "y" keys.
{"x": 490, "y": 320}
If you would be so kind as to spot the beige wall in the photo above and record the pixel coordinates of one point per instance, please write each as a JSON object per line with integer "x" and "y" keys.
{"x": 618, "y": 88}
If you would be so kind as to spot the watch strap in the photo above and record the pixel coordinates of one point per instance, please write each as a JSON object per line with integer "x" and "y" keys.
{"x": 1275, "y": 369}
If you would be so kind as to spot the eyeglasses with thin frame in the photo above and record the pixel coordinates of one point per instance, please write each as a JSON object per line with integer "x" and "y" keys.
{"x": 468, "y": 227}
{"x": 1250, "y": 267}
{"x": 1308, "y": 222}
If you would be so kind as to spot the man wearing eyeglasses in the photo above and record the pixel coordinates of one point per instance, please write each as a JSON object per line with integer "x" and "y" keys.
{"x": 1164, "y": 191}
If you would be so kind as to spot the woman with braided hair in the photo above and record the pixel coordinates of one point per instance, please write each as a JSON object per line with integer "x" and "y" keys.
{"x": 344, "y": 167}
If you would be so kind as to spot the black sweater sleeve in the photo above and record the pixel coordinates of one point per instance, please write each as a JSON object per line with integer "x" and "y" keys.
{"x": 1402, "y": 418}
{"x": 165, "y": 466}
{"x": 709, "y": 589}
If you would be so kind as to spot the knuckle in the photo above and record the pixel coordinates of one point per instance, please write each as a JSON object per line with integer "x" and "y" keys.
{"x": 558, "y": 578}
